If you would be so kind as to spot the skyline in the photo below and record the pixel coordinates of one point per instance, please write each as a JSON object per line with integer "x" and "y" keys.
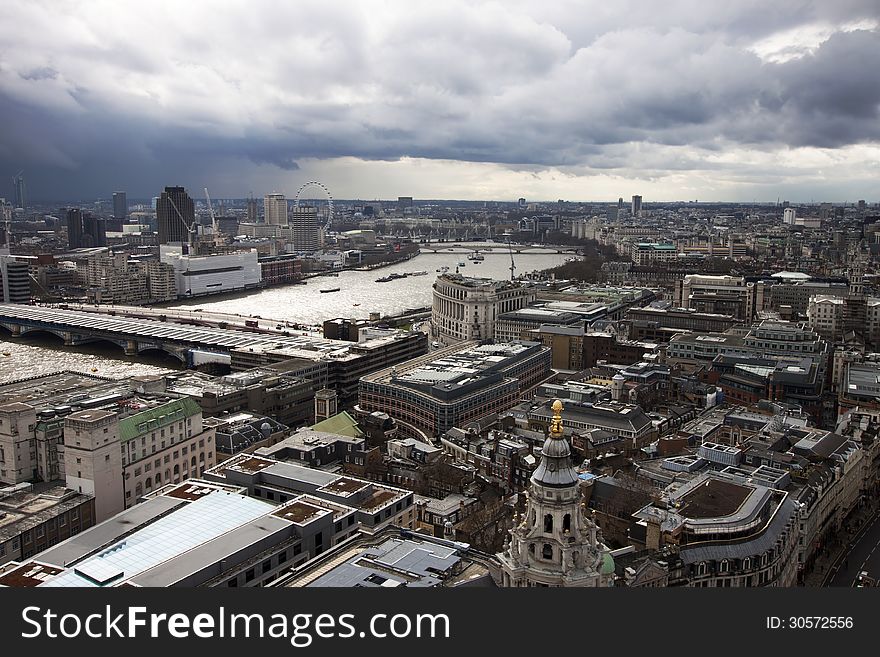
{"x": 468, "y": 101}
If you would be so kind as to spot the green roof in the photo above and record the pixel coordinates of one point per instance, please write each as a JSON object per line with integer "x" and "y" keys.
{"x": 156, "y": 418}
{"x": 342, "y": 424}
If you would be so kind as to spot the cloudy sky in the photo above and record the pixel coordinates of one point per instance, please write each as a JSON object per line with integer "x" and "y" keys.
{"x": 684, "y": 99}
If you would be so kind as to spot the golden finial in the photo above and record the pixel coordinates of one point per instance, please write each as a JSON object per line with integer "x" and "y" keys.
{"x": 556, "y": 423}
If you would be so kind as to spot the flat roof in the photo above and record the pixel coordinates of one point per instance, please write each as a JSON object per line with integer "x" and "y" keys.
{"x": 192, "y": 524}
{"x": 713, "y": 499}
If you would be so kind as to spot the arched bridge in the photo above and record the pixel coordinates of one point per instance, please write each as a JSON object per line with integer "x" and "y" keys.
{"x": 133, "y": 335}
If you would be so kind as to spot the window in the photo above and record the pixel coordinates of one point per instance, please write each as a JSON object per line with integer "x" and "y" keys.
{"x": 548, "y": 524}
{"x": 547, "y": 551}
{"x": 249, "y": 575}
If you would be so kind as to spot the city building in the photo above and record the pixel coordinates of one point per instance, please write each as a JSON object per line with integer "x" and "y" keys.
{"x": 120, "y": 206}
{"x": 197, "y": 275}
{"x": 15, "y": 280}
{"x": 647, "y": 253}
{"x": 196, "y": 533}
{"x": 270, "y": 391}
{"x": 118, "y": 279}
{"x": 369, "y": 506}
{"x": 555, "y": 543}
{"x": 723, "y": 295}
{"x": 636, "y": 206}
{"x": 660, "y": 324}
{"x": 450, "y": 387}
{"x": 35, "y": 518}
{"x": 120, "y": 458}
{"x": 275, "y": 209}
{"x": 511, "y": 325}
{"x": 467, "y": 308}
{"x": 797, "y": 295}
{"x": 724, "y": 531}
{"x": 627, "y": 421}
{"x": 304, "y": 229}
{"x": 19, "y": 191}
{"x": 396, "y": 558}
{"x": 335, "y": 364}
{"x": 175, "y": 213}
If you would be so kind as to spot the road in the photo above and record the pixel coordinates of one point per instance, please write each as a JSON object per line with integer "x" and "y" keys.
{"x": 864, "y": 554}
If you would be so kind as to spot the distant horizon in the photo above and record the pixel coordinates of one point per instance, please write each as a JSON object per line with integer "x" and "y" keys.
{"x": 390, "y": 200}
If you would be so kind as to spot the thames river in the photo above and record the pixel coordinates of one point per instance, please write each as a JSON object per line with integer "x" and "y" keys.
{"x": 359, "y": 295}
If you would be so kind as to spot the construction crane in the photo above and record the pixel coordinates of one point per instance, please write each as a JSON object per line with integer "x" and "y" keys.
{"x": 217, "y": 240}
{"x": 512, "y": 263}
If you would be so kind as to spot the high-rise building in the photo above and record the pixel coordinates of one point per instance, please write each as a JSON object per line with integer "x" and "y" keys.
{"x": 15, "y": 282}
{"x": 556, "y": 543}
{"x": 636, "y": 205}
{"x": 94, "y": 231}
{"x": 19, "y": 191}
{"x": 404, "y": 203}
{"x": 251, "y": 209}
{"x": 521, "y": 203}
{"x": 275, "y": 209}
{"x": 120, "y": 206}
{"x": 788, "y": 216}
{"x": 176, "y": 214}
{"x": 304, "y": 228}
{"x": 74, "y": 228}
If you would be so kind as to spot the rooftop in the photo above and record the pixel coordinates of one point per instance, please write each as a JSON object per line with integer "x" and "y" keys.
{"x": 155, "y": 418}
{"x": 715, "y": 498}
{"x": 406, "y": 560}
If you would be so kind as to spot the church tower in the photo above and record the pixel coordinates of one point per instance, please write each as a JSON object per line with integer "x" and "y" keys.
{"x": 556, "y": 543}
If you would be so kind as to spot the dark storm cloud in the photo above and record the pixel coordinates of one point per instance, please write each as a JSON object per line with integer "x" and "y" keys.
{"x": 96, "y": 99}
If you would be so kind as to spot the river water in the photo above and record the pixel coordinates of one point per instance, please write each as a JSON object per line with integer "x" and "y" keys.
{"x": 359, "y": 295}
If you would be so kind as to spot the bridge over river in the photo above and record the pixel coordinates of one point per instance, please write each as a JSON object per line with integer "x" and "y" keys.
{"x": 192, "y": 345}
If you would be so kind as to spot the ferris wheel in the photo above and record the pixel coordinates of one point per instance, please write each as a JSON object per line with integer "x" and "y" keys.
{"x": 322, "y": 186}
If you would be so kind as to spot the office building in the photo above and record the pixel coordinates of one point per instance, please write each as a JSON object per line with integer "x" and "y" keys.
{"x": 19, "y": 191}
{"x": 467, "y": 308}
{"x": 455, "y": 385}
{"x": 788, "y": 216}
{"x": 275, "y": 209}
{"x": 191, "y": 534}
{"x": 15, "y": 280}
{"x": 120, "y": 458}
{"x": 251, "y": 210}
{"x": 304, "y": 228}
{"x": 365, "y": 505}
{"x": 33, "y": 518}
{"x": 74, "y": 228}
{"x": 120, "y": 206}
{"x": 176, "y": 216}
{"x": 636, "y": 207}
{"x": 335, "y": 364}
{"x": 722, "y": 295}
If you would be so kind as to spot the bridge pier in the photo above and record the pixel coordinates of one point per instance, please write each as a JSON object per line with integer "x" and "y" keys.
{"x": 131, "y": 348}
{"x": 69, "y": 339}
{"x": 16, "y": 330}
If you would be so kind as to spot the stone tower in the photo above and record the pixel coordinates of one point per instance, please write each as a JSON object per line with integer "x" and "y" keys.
{"x": 326, "y": 402}
{"x": 556, "y": 543}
